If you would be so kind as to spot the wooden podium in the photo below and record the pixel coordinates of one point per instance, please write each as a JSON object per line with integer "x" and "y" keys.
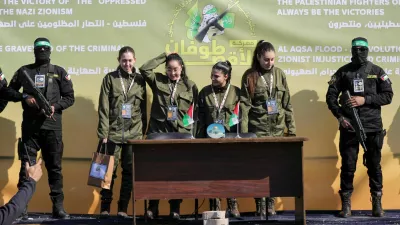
{"x": 219, "y": 168}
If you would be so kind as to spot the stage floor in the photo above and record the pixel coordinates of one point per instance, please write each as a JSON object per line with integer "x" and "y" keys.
{"x": 287, "y": 217}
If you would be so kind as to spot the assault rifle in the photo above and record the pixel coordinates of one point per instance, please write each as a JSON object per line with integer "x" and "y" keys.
{"x": 357, "y": 127}
{"x": 213, "y": 22}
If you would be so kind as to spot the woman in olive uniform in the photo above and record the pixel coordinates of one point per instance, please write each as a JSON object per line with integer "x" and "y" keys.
{"x": 216, "y": 104}
{"x": 265, "y": 103}
{"x": 173, "y": 94}
{"x": 122, "y": 116}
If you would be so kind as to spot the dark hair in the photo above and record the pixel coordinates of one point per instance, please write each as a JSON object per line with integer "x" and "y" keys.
{"x": 125, "y": 49}
{"x": 225, "y": 67}
{"x": 176, "y": 57}
{"x": 253, "y": 72}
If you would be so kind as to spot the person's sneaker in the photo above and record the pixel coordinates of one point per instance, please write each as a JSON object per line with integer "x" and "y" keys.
{"x": 123, "y": 215}
{"x": 174, "y": 216}
{"x": 105, "y": 214}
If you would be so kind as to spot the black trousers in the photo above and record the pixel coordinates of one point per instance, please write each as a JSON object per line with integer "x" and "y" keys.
{"x": 122, "y": 154}
{"x": 349, "y": 149}
{"x": 51, "y": 144}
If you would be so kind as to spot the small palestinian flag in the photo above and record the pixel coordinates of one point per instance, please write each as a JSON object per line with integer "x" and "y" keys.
{"x": 188, "y": 117}
{"x": 234, "y": 119}
{"x": 385, "y": 77}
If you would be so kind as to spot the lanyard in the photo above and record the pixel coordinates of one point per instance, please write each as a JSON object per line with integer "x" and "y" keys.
{"x": 219, "y": 107}
{"x": 173, "y": 91}
{"x": 123, "y": 86}
{"x": 270, "y": 84}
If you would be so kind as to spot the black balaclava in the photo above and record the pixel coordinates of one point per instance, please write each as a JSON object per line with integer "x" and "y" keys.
{"x": 42, "y": 50}
{"x": 359, "y": 51}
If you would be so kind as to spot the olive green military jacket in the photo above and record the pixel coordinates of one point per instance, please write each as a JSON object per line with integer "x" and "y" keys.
{"x": 111, "y": 124}
{"x": 186, "y": 95}
{"x": 255, "y": 118}
{"x": 208, "y": 111}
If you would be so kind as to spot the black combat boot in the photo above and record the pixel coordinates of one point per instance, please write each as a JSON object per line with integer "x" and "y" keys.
{"x": 346, "y": 204}
{"x": 271, "y": 206}
{"x": 105, "y": 208}
{"x": 174, "y": 207}
{"x": 212, "y": 204}
{"x": 377, "y": 210}
{"x": 58, "y": 208}
{"x": 260, "y": 207}
{"x": 233, "y": 210}
{"x": 152, "y": 210}
{"x": 215, "y": 204}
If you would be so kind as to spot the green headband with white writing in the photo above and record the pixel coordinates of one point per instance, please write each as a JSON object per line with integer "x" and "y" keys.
{"x": 359, "y": 43}
{"x": 42, "y": 43}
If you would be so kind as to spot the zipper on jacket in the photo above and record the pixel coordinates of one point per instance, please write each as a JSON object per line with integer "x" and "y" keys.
{"x": 123, "y": 131}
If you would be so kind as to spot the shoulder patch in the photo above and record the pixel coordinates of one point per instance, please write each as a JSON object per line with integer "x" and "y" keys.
{"x": 370, "y": 76}
{"x": 68, "y": 77}
{"x": 385, "y": 78}
{"x": 333, "y": 80}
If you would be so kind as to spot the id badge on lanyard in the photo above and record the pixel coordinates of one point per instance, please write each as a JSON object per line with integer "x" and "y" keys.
{"x": 271, "y": 105}
{"x": 218, "y": 107}
{"x": 126, "y": 111}
{"x": 172, "y": 113}
{"x": 40, "y": 81}
{"x": 358, "y": 85}
{"x": 126, "y": 108}
{"x": 219, "y": 116}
